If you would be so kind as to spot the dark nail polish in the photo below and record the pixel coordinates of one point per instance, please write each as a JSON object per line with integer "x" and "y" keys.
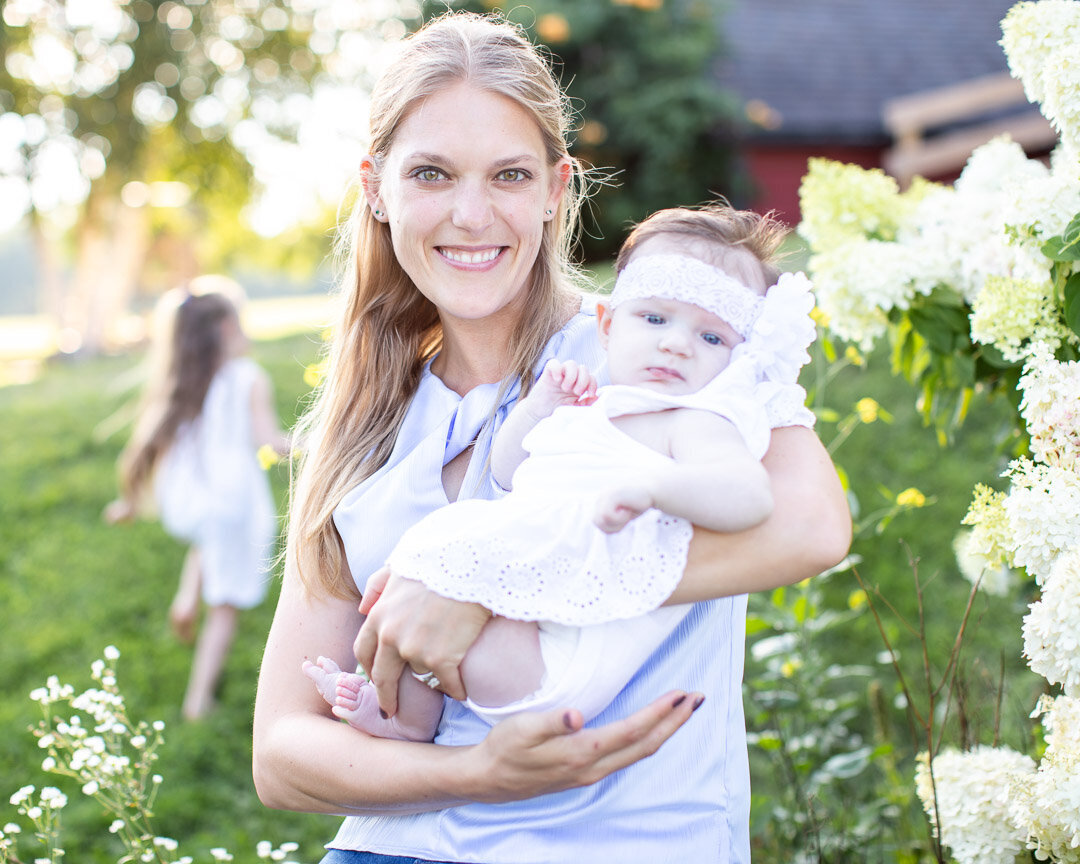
{"x": 679, "y": 701}
{"x": 567, "y": 722}
{"x": 698, "y": 702}
{"x": 383, "y": 714}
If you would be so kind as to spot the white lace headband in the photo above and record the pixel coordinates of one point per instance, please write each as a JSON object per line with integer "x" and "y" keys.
{"x": 778, "y": 328}
{"x": 689, "y": 280}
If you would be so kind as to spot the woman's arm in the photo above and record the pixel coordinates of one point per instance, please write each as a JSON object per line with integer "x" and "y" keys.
{"x": 305, "y": 759}
{"x": 808, "y": 531}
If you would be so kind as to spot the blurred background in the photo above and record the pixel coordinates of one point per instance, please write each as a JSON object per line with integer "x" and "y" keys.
{"x": 143, "y": 143}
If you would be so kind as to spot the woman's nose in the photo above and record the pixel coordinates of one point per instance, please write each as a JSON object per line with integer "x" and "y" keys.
{"x": 472, "y": 207}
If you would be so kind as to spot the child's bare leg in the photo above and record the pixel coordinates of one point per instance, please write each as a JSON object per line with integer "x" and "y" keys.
{"x": 211, "y": 650}
{"x": 184, "y": 609}
{"x": 504, "y": 664}
{"x": 354, "y": 701}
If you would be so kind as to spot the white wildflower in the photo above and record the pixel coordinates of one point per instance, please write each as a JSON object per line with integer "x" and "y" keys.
{"x": 90, "y": 788}
{"x": 12, "y": 828}
{"x": 971, "y": 804}
{"x": 34, "y": 813}
{"x": 112, "y": 652}
{"x": 1043, "y": 512}
{"x": 263, "y": 848}
{"x": 53, "y": 798}
{"x": 48, "y": 763}
{"x": 138, "y": 741}
{"x": 117, "y": 826}
{"x": 166, "y": 843}
{"x": 22, "y": 795}
{"x": 220, "y": 854}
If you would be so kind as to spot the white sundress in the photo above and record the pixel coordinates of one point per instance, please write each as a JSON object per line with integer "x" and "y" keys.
{"x": 211, "y": 491}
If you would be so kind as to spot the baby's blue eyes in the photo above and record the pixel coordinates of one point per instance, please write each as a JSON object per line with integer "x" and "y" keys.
{"x": 712, "y": 338}
{"x": 654, "y": 319}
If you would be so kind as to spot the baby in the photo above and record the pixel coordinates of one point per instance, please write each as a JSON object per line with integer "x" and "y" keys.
{"x": 606, "y": 483}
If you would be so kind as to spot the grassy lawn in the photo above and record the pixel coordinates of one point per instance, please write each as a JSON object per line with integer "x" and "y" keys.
{"x": 69, "y": 585}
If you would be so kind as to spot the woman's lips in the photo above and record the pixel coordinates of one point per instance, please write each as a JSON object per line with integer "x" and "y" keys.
{"x": 470, "y": 257}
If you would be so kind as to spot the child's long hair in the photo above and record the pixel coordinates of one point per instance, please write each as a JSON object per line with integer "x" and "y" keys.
{"x": 188, "y": 348}
{"x": 387, "y": 329}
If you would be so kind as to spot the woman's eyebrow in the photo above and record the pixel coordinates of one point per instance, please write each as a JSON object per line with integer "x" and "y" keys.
{"x": 498, "y": 164}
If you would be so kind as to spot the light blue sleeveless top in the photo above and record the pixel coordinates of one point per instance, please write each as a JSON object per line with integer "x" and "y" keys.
{"x": 688, "y": 803}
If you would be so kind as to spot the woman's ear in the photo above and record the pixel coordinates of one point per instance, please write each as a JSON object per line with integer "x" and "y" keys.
{"x": 603, "y": 324}
{"x": 561, "y": 174}
{"x": 370, "y": 181}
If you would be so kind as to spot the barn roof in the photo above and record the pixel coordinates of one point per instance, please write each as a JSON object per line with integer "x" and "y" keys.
{"x": 824, "y": 68}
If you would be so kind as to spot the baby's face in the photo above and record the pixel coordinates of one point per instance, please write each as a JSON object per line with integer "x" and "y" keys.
{"x": 665, "y": 345}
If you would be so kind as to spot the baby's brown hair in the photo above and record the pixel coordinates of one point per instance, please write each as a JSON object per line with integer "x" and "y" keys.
{"x": 717, "y": 224}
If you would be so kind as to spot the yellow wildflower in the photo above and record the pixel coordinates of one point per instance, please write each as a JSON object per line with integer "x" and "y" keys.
{"x": 314, "y": 374}
{"x": 911, "y": 497}
{"x": 867, "y": 409}
{"x": 854, "y": 356}
{"x": 267, "y": 456}
{"x": 857, "y": 599}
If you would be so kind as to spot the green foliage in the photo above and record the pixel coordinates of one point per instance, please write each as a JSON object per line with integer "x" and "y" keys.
{"x": 70, "y": 584}
{"x": 832, "y": 751}
{"x": 651, "y": 112}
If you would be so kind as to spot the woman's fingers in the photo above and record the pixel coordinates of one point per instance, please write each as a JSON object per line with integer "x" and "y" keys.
{"x": 412, "y": 626}
{"x": 376, "y": 584}
{"x": 534, "y": 754}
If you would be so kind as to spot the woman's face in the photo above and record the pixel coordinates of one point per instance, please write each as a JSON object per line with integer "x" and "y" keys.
{"x": 465, "y": 189}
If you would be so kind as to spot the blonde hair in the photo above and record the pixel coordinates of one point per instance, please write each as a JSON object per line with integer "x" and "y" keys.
{"x": 187, "y": 350}
{"x": 719, "y": 224}
{"x": 387, "y": 329}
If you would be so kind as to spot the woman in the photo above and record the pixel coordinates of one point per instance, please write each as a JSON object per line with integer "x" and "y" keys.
{"x": 457, "y": 293}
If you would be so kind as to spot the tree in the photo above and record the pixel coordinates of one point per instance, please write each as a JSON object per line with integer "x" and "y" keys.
{"x": 652, "y": 114}
{"x": 132, "y": 124}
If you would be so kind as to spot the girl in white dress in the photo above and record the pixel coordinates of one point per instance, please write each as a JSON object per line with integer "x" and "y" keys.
{"x": 206, "y": 410}
{"x": 577, "y": 559}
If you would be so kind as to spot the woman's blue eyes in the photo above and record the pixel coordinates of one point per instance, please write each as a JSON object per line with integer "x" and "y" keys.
{"x": 432, "y": 175}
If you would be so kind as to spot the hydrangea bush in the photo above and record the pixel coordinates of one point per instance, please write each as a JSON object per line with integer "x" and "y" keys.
{"x": 977, "y": 288}
{"x": 90, "y": 738}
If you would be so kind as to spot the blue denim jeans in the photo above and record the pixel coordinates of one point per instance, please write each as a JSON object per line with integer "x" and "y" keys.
{"x": 337, "y": 856}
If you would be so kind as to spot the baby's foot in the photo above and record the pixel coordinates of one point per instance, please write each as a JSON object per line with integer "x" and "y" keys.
{"x": 354, "y": 700}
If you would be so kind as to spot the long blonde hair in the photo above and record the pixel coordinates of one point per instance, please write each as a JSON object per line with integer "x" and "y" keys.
{"x": 387, "y": 329}
{"x": 188, "y": 349}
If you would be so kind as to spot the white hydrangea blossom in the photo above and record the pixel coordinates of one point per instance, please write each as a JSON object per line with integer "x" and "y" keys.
{"x": 993, "y": 577}
{"x": 857, "y": 282}
{"x": 1043, "y": 512}
{"x": 971, "y": 802}
{"x": 1008, "y": 313}
{"x": 1051, "y": 408}
{"x": 1052, "y": 627}
{"x": 1040, "y": 44}
{"x": 1047, "y": 804}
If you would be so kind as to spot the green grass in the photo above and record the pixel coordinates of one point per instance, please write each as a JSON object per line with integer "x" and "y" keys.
{"x": 70, "y": 584}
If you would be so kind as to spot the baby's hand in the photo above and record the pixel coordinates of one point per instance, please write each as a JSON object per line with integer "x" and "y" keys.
{"x": 120, "y": 510}
{"x": 563, "y": 382}
{"x": 617, "y": 508}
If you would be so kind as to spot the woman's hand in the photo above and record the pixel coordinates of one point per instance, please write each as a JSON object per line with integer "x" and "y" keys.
{"x": 534, "y": 754}
{"x": 412, "y": 626}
